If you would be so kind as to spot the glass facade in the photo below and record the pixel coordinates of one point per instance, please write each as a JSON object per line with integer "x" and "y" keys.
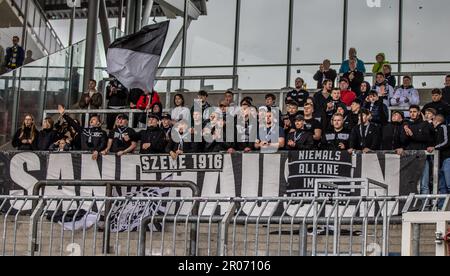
{"x": 409, "y": 32}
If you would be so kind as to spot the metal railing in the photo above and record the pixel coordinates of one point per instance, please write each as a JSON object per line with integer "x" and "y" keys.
{"x": 60, "y": 225}
{"x": 39, "y": 190}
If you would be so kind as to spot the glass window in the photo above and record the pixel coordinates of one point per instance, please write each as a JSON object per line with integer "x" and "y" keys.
{"x": 425, "y": 33}
{"x": 317, "y": 31}
{"x": 264, "y": 32}
{"x": 373, "y": 30}
{"x": 262, "y": 77}
{"x": 211, "y": 38}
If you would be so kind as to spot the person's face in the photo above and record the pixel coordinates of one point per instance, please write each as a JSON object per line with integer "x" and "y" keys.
{"x": 380, "y": 79}
{"x": 197, "y": 116}
{"x": 156, "y": 109}
{"x": 343, "y": 85}
{"x": 45, "y": 124}
{"x": 153, "y": 122}
{"x": 202, "y": 98}
{"x": 269, "y": 101}
{"x": 223, "y": 107}
{"x": 178, "y": 101}
{"x": 380, "y": 59}
{"x": 329, "y": 86}
{"x": 29, "y": 54}
{"x": 414, "y": 113}
{"x": 298, "y": 83}
{"x": 15, "y": 40}
{"x": 326, "y": 65}
{"x": 309, "y": 110}
{"x": 92, "y": 85}
{"x": 447, "y": 81}
{"x": 436, "y": 97}
{"x": 336, "y": 95}
{"x": 299, "y": 124}
{"x": 352, "y": 52}
{"x": 338, "y": 122}
{"x": 429, "y": 116}
{"x": 94, "y": 122}
{"x": 28, "y": 121}
{"x": 166, "y": 122}
{"x": 228, "y": 98}
{"x": 396, "y": 118}
{"x": 292, "y": 109}
{"x": 406, "y": 82}
{"x": 386, "y": 70}
{"x": 310, "y": 101}
{"x": 364, "y": 87}
{"x": 352, "y": 64}
{"x": 365, "y": 118}
{"x": 355, "y": 107}
{"x": 268, "y": 118}
{"x": 123, "y": 122}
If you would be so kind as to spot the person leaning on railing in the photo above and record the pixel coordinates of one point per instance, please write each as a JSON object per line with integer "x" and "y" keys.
{"x": 92, "y": 138}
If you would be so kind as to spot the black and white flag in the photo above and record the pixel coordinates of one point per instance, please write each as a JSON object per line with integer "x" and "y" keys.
{"x": 134, "y": 59}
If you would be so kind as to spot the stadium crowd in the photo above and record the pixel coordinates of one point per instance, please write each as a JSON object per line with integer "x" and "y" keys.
{"x": 350, "y": 117}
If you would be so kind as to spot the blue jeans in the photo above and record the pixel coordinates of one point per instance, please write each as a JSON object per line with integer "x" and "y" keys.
{"x": 444, "y": 180}
{"x": 425, "y": 181}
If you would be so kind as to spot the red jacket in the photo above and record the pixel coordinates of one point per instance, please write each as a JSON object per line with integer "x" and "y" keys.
{"x": 347, "y": 97}
{"x": 144, "y": 99}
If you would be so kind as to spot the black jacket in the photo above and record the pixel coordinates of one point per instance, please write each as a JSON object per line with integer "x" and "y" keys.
{"x": 320, "y": 77}
{"x": 303, "y": 140}
{"x": 118, "y": 99}
{"x": 299, "y": 96}
{"x": 423, "y": 135}
{"x": 391, "y": 80}
{"x": 91, "y": 139}
{"x": 351, "y": 120}
{"x": 443, "y": 142}
{"x": 391, "y": 134}
{"x": 379, "y": 112}
{"x": 332, "y": 139}
{"x": 320, "y": 102}
{"x": 441, "y": 107}
{"x": 446, "y": 94}
{"x": 156, "y": 137}
{"x": 365, "y": 137}
{"x": 46, "y": 138}
{"x": 355, "y": 84}
{"x": 17, "y": 140}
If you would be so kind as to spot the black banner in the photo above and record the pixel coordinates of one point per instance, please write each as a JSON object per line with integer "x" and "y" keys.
{"x": 238, "y": 175}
